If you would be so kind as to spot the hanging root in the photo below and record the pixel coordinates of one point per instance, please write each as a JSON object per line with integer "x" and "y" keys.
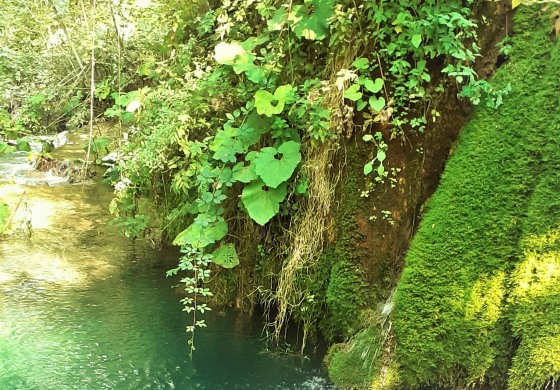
{"x": 309, "y": 230}
{"x": 307, "y": 237}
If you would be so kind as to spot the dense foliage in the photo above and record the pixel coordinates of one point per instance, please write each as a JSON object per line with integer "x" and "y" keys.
{"x": 249, "y": 90}
{"x": 230, "y": 116}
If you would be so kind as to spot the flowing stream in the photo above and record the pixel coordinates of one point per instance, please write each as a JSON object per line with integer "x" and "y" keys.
{"x": 83, "y": 308}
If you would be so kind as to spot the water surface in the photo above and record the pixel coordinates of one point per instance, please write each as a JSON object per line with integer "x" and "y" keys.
{"x": 83, "y": 308}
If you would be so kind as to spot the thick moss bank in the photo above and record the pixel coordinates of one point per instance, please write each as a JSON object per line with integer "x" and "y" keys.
{"x": 483, "y": 274}
{"x": 535, "y": 297}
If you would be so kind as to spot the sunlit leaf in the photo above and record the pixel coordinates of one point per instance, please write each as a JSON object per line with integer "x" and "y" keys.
{"x": 368, "y": 168}
{"x": 225, "y": 53}
{"x": 200, "y": 236}
{"x": 279, "y": 19}
{"x": 372, "y": 86}
{"x": 353, "y": 93}
{"x": 381, "y": 155}
{"x": 269, "y": 104}
{"x": 312, "y": 22}
{"x": 244, "y": 173}
{"x": 377, "y": 104}
{"x": 361, "y": 63}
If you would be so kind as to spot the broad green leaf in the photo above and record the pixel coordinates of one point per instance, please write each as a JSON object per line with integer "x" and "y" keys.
{"x": 243, "y": 63}
{"x": 416, "y": 40}
{"x": 353, "y": 93}
{"x": 380, "y": 170}
{"x": 381, "y": 155}
{"x": 301, "y": 187}
{"x": 262, "y": 202}
{"x": 23, "y": 144}
{"x": 361, "y": 63}
{"x": 226, "y": 256}
{"x": 368, "y": 168}
{"x": 201, "y": 236}
{"x": 515, "y": 4}
{"x": 264, "y": 103}
{"x": 6, "y": 148}
{"x": 276, "y": 166}
{"x": 269, "y": 104}
{"x": 284, "y": 93}
{"x": 377, "y": 104}
{"x": 244, "y": 173}
{"x": 225, "y": 53}
{"x": 250, "y": 43}
{"x": 256, "y": 74}
{"x": 312, "y": 22}
{"x": 372, "y": 86}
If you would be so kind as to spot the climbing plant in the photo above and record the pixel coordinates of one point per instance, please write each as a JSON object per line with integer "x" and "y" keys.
{"x": 253, "y": 85}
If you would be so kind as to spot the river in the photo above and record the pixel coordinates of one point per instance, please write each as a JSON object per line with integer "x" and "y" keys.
{"x": 83, "y": 308}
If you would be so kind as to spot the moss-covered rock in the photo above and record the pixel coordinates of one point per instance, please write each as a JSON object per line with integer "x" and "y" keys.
{"x": 451, "y": 314}
{"x": 535, "y": 296}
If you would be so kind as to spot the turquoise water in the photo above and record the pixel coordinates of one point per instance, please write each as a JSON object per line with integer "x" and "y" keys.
{"x": 83, "y": 308}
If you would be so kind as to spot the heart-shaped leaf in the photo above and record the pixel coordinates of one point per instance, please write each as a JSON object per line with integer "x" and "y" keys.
{"x": 269, "y": 104}
{"x": 264, "y": 104}
{"x": 263, "y": 202}
{"x": 276, "y": 166}
{"x": 353, "y": 93}
{"x": 372, "y": 86}
{"x": 376, "y": 104}
{"x": 226, "y": 256}
{"x": 361, "y": 63}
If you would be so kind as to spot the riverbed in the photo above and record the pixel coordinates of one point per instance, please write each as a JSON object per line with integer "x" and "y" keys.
{"x": 83, "y": 308}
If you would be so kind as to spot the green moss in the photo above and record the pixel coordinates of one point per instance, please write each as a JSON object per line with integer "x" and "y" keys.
{"x": 345, "y": 298}
{"x": 354, "y": 364}
{"x": 450, "y": 316}
{"x": 347, "y": 292}
{"x": 535, "y": 299}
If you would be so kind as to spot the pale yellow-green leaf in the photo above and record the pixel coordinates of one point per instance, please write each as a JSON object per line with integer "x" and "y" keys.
{"x": 225, "y": 53}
